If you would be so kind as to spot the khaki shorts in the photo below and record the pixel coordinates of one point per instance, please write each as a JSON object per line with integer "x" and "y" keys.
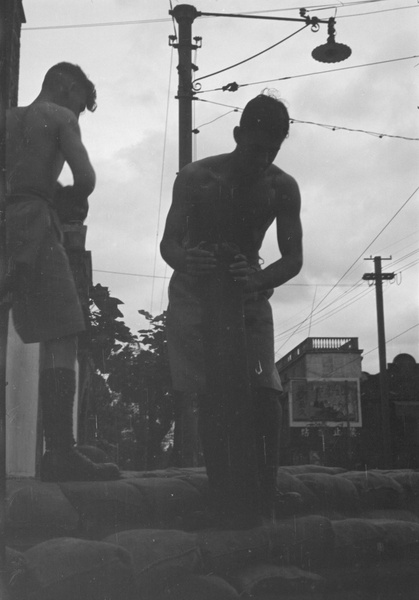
{"x": 46, "y": 305}
{"x": 184, "y": 338}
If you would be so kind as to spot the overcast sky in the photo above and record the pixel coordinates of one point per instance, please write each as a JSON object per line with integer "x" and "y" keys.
{"x": 358, "y": 189}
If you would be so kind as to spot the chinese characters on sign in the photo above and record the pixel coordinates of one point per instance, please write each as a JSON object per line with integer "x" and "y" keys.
{"x": 329, "y": 402}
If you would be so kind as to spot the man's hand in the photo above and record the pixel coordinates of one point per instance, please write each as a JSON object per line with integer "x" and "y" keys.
{"x": 69, "y": 204}
{"x": 241, "y": 270}
{"x": 199, "y": 262}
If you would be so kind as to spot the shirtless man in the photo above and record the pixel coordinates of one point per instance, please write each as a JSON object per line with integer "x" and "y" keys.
{"x": 233, "y": 198}
{"x": 40, "y": 138}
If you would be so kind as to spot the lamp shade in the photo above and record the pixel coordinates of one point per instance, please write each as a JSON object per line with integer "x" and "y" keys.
{"x": 331, "y": 52}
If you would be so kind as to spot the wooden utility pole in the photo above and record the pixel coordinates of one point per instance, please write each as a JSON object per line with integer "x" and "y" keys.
{"x": 185, "y": 16}
{"x": 378, "y": 276}
{"x": 5, "y": 39}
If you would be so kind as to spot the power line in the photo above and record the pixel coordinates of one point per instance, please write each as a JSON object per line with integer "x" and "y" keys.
{"x": 320, "y": 318}
{"x": 374, "y": 349}
{"x": 394, "y": 338}
{"x": 161, "y": 178}
{"x": 130, "y": 274}
{"x": 373, "y": 133}
{"x": 106, "y": 24}
{"x": 355, "y": 261}
{"x": 373, "y": 12}
{"x": 166, "y": 20}
{"x": 249, "y": 58}
{"x": 322, "y": 6}
{"x": 125, "y": 273}
{"x": 324, "y": 125}
{"x": 233, "y": 87}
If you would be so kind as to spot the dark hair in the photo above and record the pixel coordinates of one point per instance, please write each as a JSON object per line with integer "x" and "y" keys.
{"x": 268, "y": 114}
{"x": 55, "y": 74}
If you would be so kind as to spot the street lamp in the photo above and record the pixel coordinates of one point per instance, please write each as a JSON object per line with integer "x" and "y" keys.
{"x": 331, "y": 52}
{"x": 185, "y": 14}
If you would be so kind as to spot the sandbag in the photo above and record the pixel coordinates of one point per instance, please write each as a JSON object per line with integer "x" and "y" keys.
{"x": 106, "y": 506}
{"x": 300, "y": 469}
{"x": 39, "y": 510}
{"x": 70, "y": 568}
{"x": 409, "y": 480}
{"x": 357, "y": 542}
{"x": 201, "y": 587}
{"x": 225, "y": 551}
{"x": 332, "y": 491}
{"x": 271, "y": 579}
{"x": 16, "y": 579}
{"x": 303, "y": 542}
{"x": 375, "y": 489}
{"x": 391, "y": 514}
{"x": 287, "y": 483}
{"x": 386, "y": 580}
{"x": 155, "y": 550}
{"x": 178, "y": 584}
{"x": 401, "y": 538}
{"x": 170, "y": 499}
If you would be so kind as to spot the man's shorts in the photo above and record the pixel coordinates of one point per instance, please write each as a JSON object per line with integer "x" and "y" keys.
{"x": 45, "y": 304}
{"x": 184, "y": 338}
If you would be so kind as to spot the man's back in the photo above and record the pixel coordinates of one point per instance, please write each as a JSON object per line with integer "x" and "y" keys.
{"x": 40, "y": 138}
{"x": 34, "y": 159}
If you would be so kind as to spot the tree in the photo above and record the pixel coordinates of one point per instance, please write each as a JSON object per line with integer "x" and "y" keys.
{"x": 136, "y": 371}
{"x": 140, "y": 373}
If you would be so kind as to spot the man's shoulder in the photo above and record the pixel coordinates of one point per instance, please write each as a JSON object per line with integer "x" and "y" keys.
{"x": 203, "y": 166}
{"x": 282, "y": 180}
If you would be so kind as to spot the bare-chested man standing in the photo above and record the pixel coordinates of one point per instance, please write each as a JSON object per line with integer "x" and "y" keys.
{"x": 40, "y": 138}
{"x": 234, "y": 198}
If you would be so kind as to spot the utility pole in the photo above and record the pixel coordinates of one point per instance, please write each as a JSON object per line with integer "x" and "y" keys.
{"x": 185, "y": 16}
{"x": 378, "y": 276}
{"x": 5, "y": 37}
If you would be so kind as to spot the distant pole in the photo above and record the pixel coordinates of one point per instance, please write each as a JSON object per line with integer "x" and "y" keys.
{"x": 378, "y": 277}
{"x": 185, "y": 16}
{"x": 5, "y": 38}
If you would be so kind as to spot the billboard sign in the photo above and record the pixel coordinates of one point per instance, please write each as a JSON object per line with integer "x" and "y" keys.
{"x": 328, "y": 402}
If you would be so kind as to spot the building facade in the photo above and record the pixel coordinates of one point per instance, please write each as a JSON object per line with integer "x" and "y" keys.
{"x": 322, "y": 414}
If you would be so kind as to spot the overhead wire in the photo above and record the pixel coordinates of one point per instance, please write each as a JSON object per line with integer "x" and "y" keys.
{"x": 350, "y": 268}
{"x": 89, "y": 25}
{"x": 236, "y": 86}
{"x": 309, "y": 8}
{"x": 370, "y": 351}
{"x": 293, "y": 120}
{"x": 328, "y": 313}
{"x": 173, "y": 19}
{"x": 161, "y": 178}
{"x": 167, "y": 19}
{"x": 336, "y": 300}
{"x": 250, "y": 57}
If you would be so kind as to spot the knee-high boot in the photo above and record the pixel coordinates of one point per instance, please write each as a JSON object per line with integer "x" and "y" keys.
{"x": 62, "y": 461}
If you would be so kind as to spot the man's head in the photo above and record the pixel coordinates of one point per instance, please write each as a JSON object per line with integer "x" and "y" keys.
{"x": 71, "y": 87}
{"x": 264, "y": 125}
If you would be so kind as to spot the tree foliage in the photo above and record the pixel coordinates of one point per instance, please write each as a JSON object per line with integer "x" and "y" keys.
{"x": 136, "y": 369}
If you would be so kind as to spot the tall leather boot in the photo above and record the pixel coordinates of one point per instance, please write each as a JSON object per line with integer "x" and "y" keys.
{"x": 62, "y": 461}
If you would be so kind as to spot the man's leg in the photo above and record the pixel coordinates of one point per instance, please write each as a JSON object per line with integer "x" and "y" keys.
{"x": 268, "y": 418}
{"x": 186, "y": 441}
{"x": 57, "y": 389}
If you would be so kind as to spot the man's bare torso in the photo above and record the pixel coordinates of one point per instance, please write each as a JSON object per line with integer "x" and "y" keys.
{"x": 34, "y": 160}
{"x": 225, "y": 208}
